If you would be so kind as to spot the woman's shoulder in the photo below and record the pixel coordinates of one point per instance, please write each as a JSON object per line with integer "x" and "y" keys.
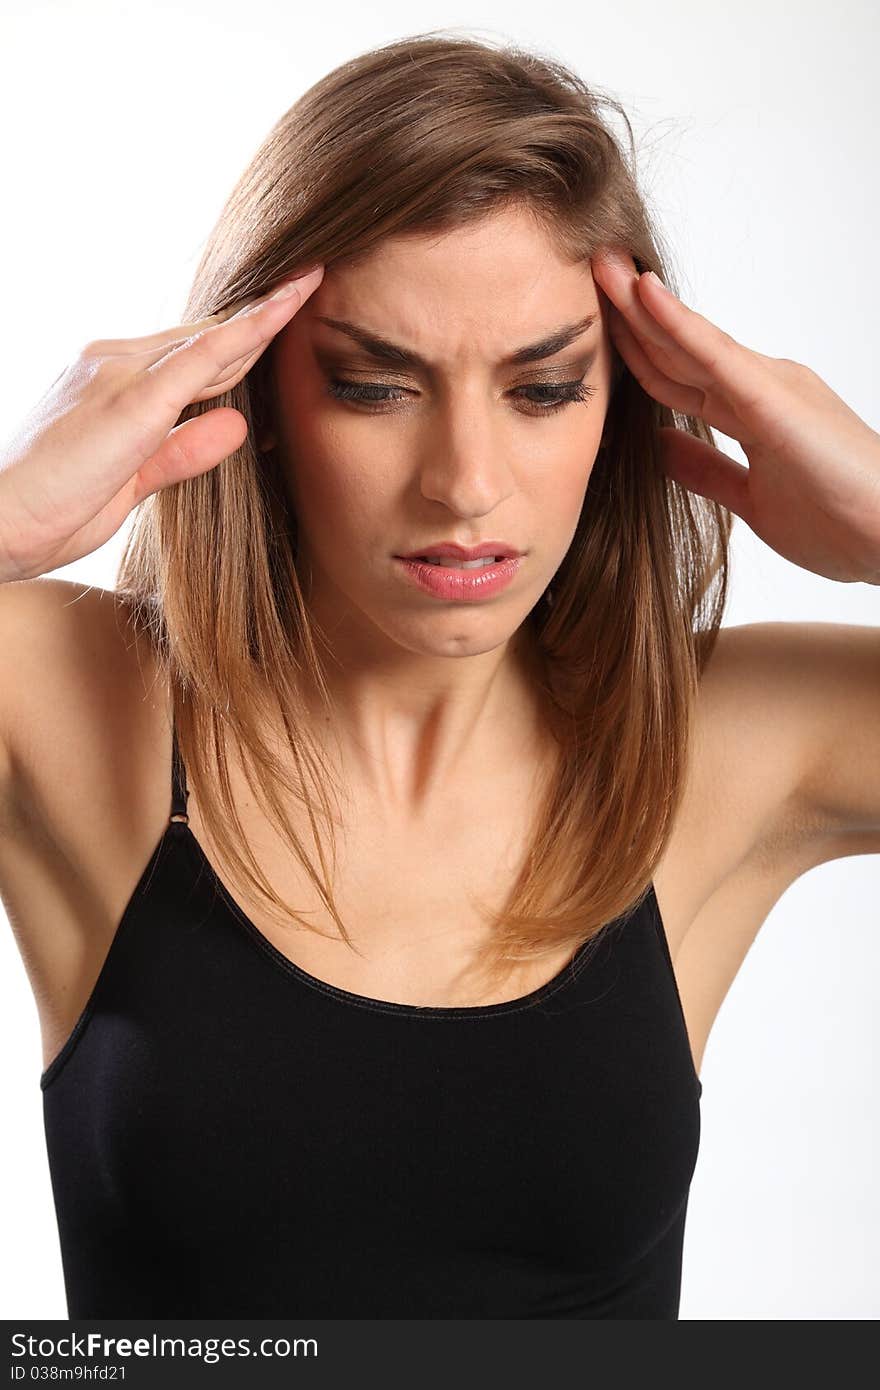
{"x": 747, "y": 824}
{"x": 88, "y": 747}
{"x": 70, "y": 654}
{"x": 86, "y": 733}
{"x": 758, "y": 808}
{"x": 787, "y": 732}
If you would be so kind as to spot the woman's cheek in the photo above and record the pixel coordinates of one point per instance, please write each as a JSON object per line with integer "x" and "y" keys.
{"x": 341, "y": 490}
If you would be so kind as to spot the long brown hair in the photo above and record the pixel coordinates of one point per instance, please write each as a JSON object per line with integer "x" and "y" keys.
{"x": 426, "y": 134}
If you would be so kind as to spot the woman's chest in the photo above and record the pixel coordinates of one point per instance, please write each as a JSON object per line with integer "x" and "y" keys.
{"x": 227, "y": 1114}
{"x": 414, "y": 901}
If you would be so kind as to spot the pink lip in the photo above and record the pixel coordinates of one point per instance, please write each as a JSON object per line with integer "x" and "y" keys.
{"x": 461, "y": 585}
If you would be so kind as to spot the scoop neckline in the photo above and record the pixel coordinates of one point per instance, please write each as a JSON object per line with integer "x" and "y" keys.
{"x": 435, "y": 1012}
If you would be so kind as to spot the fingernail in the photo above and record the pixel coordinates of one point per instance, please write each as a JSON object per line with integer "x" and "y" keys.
{"x": 303, "y": 282}
{"x": 649, "y": 274}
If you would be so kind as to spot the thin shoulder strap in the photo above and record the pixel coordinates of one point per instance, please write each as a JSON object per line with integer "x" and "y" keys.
{"x": 179, "y": 789}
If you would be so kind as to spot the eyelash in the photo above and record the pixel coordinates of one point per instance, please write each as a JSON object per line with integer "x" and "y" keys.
{"x": 561, "y": 394}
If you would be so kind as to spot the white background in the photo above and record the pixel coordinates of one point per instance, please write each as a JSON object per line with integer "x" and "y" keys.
{"x": 125, "y": 126}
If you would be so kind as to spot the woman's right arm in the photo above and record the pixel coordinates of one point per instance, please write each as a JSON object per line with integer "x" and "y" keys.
{"x": 102, "y": 439}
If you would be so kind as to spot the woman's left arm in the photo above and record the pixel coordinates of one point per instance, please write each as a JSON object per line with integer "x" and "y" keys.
{"x": 811, "y": 492}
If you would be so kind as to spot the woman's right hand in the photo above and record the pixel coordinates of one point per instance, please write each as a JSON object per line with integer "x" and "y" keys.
{"x": 103, "y": 437}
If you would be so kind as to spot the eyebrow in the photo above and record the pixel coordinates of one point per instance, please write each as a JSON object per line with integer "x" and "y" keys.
{"x": 385, "y": 351}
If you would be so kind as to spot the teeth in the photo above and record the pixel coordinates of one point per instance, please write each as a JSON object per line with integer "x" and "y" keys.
{"x": 448, "y": 563}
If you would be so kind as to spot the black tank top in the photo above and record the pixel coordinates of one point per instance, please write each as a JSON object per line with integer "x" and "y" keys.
{"x": 229, "y": 1136}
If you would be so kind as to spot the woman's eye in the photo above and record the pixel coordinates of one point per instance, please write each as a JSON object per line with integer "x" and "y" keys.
{"x": 554, "y": 395}
{"x": 544, "y": 398}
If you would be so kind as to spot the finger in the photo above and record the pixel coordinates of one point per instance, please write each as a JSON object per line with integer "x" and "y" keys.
{"x": 196, "y": 364}
{"x": 236, "y": 370}
{"x": 231, "y": 377}
{"x": 182, "y": 332}
{"x": 705, "y": 470}
{"x": 689, "y": 400}
{"x": 670, "y": 360}
{"x": 723, "y": 362}
{"x": 189, "y": 449}
{"x": 714, "y": 408}
{"x": 613, "y": 258}
{"x": 621, "y": 284}
{"x": 166, "y": 338}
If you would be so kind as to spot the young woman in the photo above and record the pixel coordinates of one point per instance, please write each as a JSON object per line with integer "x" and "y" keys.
{"x": 425, "y": 584}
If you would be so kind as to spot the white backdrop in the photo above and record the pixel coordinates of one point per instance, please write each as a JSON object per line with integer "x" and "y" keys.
{"x": 125, "y": 126}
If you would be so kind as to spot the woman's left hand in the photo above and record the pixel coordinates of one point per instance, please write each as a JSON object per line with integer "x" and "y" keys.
{"x": 812, "y": 488}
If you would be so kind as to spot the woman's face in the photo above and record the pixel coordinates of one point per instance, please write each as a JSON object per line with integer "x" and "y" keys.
{"x": 457, "y": 446}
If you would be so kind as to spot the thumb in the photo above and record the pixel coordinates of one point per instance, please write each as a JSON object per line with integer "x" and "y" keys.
{"x": 194, "y": 447}
{"x": 703, "y": 469}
